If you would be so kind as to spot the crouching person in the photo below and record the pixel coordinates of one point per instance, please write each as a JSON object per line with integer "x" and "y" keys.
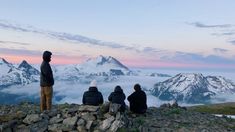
{"x": 117, "y": 97}
{"x": 92, "y": 96}
{"x": 138, "y": 100}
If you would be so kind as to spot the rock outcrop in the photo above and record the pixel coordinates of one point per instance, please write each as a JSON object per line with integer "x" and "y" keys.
{"x": 27, "y": 117}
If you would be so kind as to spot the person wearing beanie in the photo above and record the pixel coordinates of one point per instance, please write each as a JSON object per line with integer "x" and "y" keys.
{"x": 92, "y": 96}
{"x": 46, "y": 82}
{"x": 118, "y": 97}
{"x": 138, "y": 100}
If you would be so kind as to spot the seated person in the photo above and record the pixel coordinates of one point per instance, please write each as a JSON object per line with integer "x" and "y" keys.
{"x": 118, "y": 97}
{"x": 92, "y": 96}
{"x": 138, "y": 100}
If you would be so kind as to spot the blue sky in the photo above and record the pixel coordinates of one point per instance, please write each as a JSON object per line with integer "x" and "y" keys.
{"x": 150, "y": 33}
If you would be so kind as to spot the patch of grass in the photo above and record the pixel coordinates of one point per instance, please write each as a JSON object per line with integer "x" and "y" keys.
{"x": 173, "y": 111}
{"x": 226, "y": 109}
{"x": 128, "y": 130}
{"x": 140, "y": 120}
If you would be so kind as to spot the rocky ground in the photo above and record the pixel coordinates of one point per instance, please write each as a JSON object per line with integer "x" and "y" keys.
{"x": 26, "y": 117}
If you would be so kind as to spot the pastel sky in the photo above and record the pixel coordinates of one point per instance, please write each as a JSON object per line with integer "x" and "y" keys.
{"x": 139, "y": 33}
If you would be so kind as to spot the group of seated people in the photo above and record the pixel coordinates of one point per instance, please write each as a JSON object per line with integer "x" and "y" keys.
{"x": 137, "y": 100}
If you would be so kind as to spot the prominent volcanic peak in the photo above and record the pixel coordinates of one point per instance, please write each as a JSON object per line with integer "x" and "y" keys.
{"x": 102, "y": 64}
{"x": 192, "y": 88}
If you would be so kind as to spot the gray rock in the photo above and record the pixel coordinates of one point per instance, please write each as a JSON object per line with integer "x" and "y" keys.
{"x": 88, "y": 125}
{"x": 107, "y": 123}
{"x": 22, "y": 128}
{"x": 40, "y": 126}
{"x": 55, "y": 127}
{"x": 81, "y": 122}
{"x": 81, "y": 129}
{"x": 70, "y": 121}
{"x": 55, "y": 120}
{"x": 88, "y": 108}
{"x": 116, "y": 124}
{"x": 32, "y": 118}
{"x": 118, "y": 115}
{"x": 52, "y": 113}
{"x": 107, "y": 115}
{"x": 88, "y": 117}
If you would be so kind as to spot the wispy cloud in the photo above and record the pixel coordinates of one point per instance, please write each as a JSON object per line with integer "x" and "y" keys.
{"x": 232, "y": 42}
{"x": 20, "y": 52}
{"x": 12, "y": 42}
{"x": 220, "y": 50}
{"x": 60, "y": 35}
{"x": 202, "y": 25}
{"x": 224, "y": 34}
{"x": 198, "y": 58}
{"x": 150, "y": 49}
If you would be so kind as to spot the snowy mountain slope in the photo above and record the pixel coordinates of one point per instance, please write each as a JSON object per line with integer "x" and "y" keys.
{"x": 4, "y": 67}
{"x": 103, "y": 65}
{"x": 192, "y": 88}
{"x": 22, "y": 75}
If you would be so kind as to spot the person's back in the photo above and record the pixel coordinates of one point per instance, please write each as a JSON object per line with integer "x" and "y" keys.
{"x": 118, "y": 97}
{"x": 138, "y": 100}
{"x": 92, "y": 96}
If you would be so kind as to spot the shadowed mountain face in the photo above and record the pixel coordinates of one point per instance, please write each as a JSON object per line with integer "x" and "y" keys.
{"x": 192, "y": 88}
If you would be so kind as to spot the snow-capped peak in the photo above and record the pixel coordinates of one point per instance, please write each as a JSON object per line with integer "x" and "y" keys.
{"x": 193, "y": 88}
{"x": 25, "y": 66}
{"x": 3, "y": 61}
{"x": 5, "y": 66}
{"x": 102, "y": 64}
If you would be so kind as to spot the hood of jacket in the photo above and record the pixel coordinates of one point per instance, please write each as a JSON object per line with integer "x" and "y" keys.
{"x": 94, "y": 89}
{"x": 47, "y": 56}
{"x": 118, "y": 89}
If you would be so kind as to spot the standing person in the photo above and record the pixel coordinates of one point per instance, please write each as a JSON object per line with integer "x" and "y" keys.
{"x": 138, "y": 100}
{"x": 92, "y": 96}
{"x": 118, "y": 97}
{"x": 46, "y": 82}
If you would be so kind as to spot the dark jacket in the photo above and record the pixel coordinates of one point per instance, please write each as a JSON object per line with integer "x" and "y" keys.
{"x": 118, "y": 97}
{"x": 138, "y": 102}
{"x": 92, "y": 97}
{"x": 46, "y": 76}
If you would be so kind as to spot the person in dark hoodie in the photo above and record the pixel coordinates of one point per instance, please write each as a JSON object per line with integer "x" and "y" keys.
{"x": 92, "y": 96}
{"x": 138, "y": 100}
{"x": 46, "y": 82}
{"x": 118, "y": 97}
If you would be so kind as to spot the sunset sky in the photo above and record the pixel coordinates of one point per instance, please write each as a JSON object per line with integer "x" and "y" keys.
{"x": 139, "y": 33}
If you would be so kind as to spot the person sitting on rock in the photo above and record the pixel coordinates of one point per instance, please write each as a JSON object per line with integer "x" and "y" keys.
{"x": 92, "y": 96}
{"x": 138, "y": 100}
{"x": 118, "y": 97}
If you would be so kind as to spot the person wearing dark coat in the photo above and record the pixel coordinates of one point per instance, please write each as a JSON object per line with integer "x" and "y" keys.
{"x": 46, "y": 82}
{"x": 118, "y": 97}
{"x": 138, "y": 100}
{"x": 92, "y": 96}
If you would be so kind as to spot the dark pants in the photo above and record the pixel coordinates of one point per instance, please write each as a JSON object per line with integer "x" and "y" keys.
{"x": 46, "y": 98}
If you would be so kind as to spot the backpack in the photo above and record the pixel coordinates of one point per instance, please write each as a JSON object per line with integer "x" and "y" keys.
{"x": 114, "y": 108}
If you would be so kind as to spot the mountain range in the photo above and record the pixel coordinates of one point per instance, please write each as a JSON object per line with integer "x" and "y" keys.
{"x": 193, "y": 88}
{"x": 101, "y": 68}
{"x": 17, "y": 75}
{"x": 184, "y": 87}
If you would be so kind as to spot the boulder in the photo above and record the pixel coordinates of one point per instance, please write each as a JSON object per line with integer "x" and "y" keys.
{"x": 88, "y": 108}
{"x": 106, "y": 123}
{"x": 70, "y": 121}
{"x": 32, "y": 118}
